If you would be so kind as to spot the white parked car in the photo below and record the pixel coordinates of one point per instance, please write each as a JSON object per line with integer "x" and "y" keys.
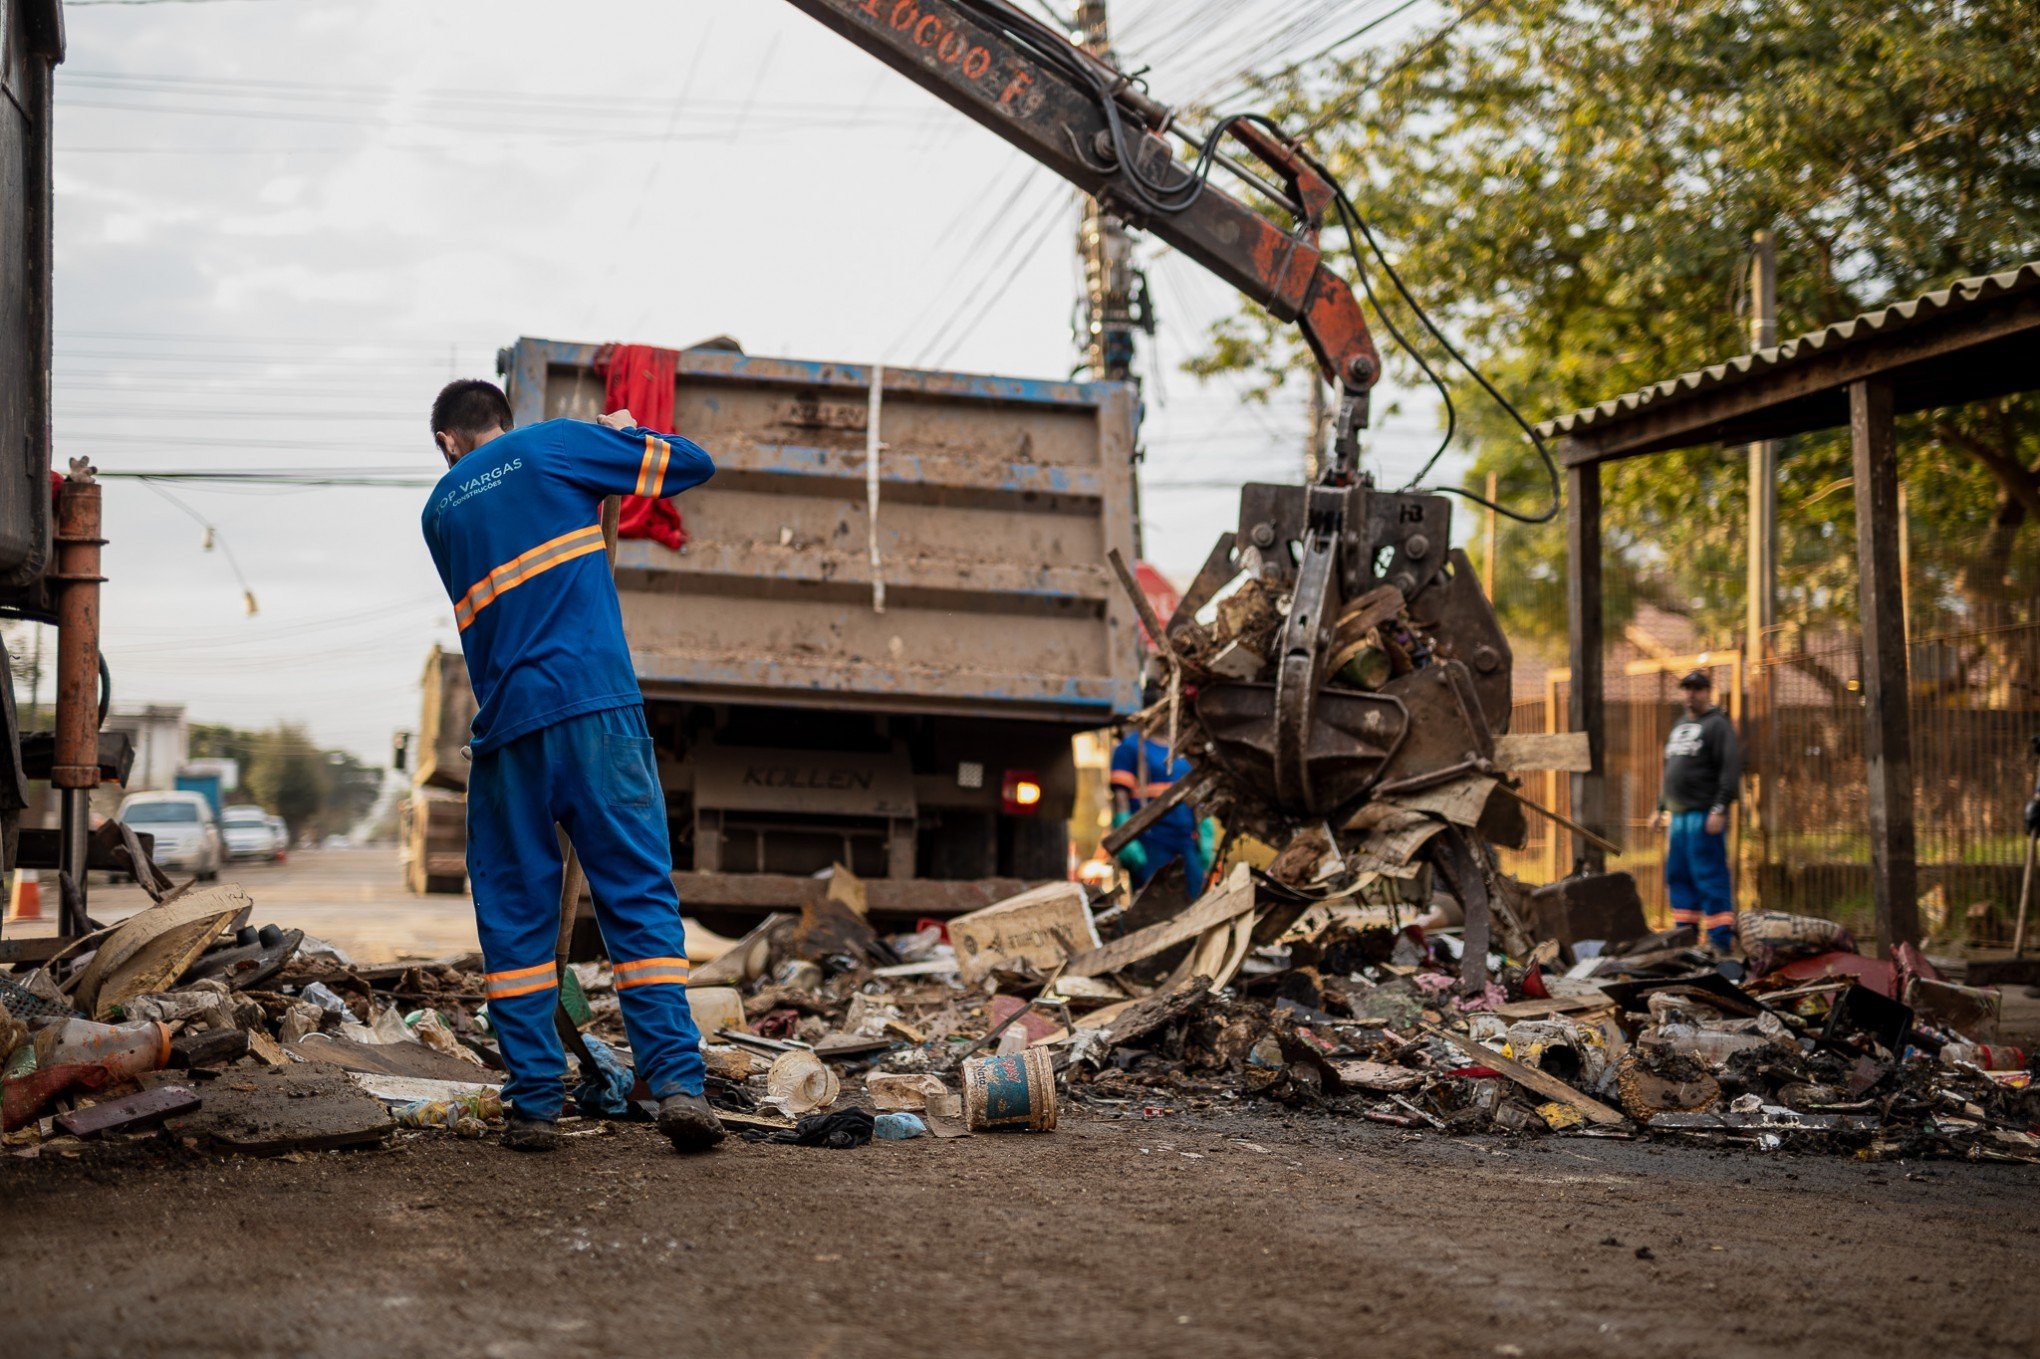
{"x": 248, "y": 834}
{"x": 187, "y": 837}
{"x": 277, "y": 824}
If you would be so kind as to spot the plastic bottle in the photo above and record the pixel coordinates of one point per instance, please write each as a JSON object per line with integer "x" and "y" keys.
{"x": 898, "y": 1127}
{"x": 123, "y": 1050}
{"x": 1712, "y": 1046}
{"x": 1989, "y": 1056}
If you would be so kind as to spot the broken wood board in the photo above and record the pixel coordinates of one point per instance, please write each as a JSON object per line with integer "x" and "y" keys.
{"x": 1138, "y": 1018}
{"x": 1558, "y": 752}
{"x": 1037, "y": 929}
{"x": 1530, "y": 1078}
{"x": 1380, "y": 1077}
{"x": 414, "y": 1060}
{"x": 1233, "y": 898}
{"x": 149, "y": 950}
{"x": 274, "y": 1112}
{"x": 1217, "y": 954}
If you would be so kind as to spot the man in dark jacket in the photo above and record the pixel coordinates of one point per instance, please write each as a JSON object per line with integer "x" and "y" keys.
{"x": 1703, "y": 768}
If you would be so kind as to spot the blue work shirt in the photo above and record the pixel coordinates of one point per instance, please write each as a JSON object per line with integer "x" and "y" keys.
{"x": 1178, "y": 826}
{"x": 515, "y": 528}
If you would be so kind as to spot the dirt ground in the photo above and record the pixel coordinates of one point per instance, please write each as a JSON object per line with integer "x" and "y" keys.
{"x": 1180, "y": 1234}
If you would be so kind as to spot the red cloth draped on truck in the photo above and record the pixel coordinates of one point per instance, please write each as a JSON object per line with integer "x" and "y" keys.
{"x": 639, "y": 378}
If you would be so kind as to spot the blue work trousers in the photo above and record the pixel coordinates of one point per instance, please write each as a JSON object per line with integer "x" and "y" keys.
{"x": 1163, "y": 850}
{"x": 1696, "y": 878}
{"x": 596, "y": 776}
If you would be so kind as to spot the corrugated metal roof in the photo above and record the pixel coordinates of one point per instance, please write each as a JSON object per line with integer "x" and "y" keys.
{"x": 1841, "y": 335}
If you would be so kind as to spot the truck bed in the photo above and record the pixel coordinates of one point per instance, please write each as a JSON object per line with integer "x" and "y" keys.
{"x": 997, "y": 500}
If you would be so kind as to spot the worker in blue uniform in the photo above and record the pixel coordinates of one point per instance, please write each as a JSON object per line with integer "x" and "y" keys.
{"x": 515, "y": 528}
{"x": 1142, "y": 770}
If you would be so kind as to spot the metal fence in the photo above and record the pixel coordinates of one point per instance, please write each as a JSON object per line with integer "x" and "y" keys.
{"x": 1801, "y": 839}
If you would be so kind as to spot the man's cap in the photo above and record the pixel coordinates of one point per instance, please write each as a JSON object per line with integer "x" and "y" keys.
{"x": 1697, "y": 679}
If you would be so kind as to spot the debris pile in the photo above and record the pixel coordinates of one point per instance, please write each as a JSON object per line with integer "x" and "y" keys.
{"x": 822, "y": 1029}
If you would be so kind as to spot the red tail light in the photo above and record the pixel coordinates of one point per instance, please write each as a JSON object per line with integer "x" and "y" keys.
{"x": 1020, "y": 793}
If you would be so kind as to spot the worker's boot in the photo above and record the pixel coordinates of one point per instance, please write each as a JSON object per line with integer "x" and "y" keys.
{"x": 689, "y": 1121}
{"x": 529, "y": 1134}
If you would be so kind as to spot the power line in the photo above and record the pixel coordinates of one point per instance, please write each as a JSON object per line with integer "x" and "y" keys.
{"x": 1339, "y": 109}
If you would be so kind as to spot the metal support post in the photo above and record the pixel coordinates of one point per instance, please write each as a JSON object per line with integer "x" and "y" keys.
{"x": 1585, "y": 628}
{"x": 76, "y": 770}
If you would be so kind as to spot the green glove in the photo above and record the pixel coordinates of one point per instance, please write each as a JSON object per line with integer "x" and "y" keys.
{"x": 1207, "y": 840}
{"x": 1132, "y": 856}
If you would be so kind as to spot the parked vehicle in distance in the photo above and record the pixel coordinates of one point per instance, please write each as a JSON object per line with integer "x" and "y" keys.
{"x": 282, "y": 829}
{"x": 248, "y": 834}
{"x": 187, "y": 837}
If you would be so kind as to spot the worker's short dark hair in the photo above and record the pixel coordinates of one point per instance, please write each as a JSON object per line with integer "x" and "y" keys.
{"x": 470, "y": 407}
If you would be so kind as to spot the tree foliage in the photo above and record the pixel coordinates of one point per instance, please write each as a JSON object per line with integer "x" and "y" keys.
{"x": 1570, "y": 188}
{"x": 318, "y": 791}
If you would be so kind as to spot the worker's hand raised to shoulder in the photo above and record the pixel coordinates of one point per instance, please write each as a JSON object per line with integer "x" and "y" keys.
{"x": 622, "y": 419}
{"x": 1658, "y": 819}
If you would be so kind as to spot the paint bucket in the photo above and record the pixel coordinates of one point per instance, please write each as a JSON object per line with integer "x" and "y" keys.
{"x": 1015, "y": 1091}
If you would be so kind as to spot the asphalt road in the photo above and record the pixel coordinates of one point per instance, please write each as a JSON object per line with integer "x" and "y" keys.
{"x": 354, "y": 898}
{"x": 1178, "y": 1233}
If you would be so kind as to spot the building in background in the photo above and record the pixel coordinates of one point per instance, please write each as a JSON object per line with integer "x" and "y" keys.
{"x": 162, "y": 742}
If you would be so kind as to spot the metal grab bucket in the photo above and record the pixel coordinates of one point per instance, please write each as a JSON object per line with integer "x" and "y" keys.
{"x": 1012, "y": 1092}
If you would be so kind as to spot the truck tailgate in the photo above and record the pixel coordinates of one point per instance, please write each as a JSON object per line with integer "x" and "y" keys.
{"x": 996, "y": 502}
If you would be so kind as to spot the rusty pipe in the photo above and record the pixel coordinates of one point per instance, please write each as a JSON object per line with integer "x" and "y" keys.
{"x": 77, "y": 581}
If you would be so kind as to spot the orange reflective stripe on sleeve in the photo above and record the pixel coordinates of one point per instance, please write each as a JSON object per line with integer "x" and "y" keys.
{"x": 651, "y": 477}
{"x": 1123, "y": 779}
{"x": 523, "y": 567}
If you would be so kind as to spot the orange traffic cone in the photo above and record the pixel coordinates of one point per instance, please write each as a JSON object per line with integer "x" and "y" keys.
{"x": 25, "y": 901}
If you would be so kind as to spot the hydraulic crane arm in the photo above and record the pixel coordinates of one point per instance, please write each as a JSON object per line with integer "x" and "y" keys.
{"x": 1049, "y": 97}
{"x": 1307, "y": 749}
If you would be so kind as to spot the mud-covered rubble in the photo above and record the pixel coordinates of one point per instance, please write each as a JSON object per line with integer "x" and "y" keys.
{"x": 1253, "y": 995}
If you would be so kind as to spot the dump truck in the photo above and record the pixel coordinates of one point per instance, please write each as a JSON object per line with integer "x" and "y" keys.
{"x": 892, "y": 613}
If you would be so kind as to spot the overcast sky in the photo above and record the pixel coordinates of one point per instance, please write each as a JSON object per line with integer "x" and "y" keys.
{"x": 282, "y": 224}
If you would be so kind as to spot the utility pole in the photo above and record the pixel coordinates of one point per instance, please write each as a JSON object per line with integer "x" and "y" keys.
{"x": 1314, "y": 446}
{"x": 1113, "y": 306}
{"x": 1762, "y": 591}
{"x": 1763, "y": 547}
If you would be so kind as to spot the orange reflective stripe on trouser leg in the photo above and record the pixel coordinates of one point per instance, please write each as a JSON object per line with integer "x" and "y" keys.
{"x": 651, "y": 972}
{"x": 521, "y": 981}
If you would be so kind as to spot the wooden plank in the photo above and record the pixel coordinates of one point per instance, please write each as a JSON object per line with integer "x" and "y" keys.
{"x": 1232, "y": 899}
{"x": 1531, "y": 1079}
{"x": 1586, "y": 701}
{"x": 1887, "y": 709}
{"x": 1565, "y": 752}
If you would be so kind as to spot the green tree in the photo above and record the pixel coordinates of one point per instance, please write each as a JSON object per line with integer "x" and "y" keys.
{"x": 352, "y": 789}
{"x": 1570, "y": 186}
{"x": 289, "y": 775}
